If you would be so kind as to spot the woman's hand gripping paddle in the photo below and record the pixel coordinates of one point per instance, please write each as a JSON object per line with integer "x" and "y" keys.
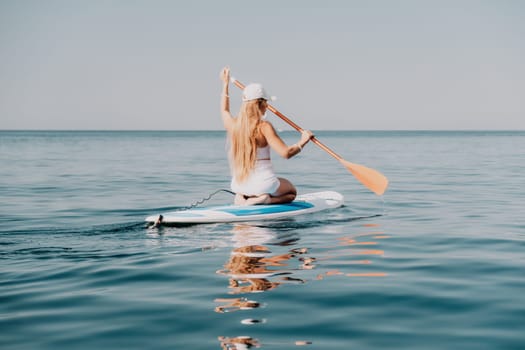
{"x": 370, "y": 178}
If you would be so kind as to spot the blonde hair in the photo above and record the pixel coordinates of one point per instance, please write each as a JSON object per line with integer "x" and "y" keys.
{"x": 243, "y": 138}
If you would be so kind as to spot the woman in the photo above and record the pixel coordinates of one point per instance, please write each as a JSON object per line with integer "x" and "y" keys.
{"x": 251, "y": 137}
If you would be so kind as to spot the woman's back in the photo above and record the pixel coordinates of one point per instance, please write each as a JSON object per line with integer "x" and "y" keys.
{"x": 263, "y": 153}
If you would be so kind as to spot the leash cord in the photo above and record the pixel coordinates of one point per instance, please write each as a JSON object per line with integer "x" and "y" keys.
{"x": 205, "y": 199}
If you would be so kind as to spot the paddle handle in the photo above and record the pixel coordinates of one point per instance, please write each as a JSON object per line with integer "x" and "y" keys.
{"x": 293, "y": 125}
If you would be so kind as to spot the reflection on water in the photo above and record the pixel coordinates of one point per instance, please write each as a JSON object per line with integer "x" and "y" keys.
{"x": 351, "y": 249}
{"x": 238, "y": 343}
{"x": 235, "y": 304}
{"x": 253, "y": 267}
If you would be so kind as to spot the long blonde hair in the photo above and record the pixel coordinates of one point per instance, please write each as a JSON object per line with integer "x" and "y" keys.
{"x": 243, "y": 138}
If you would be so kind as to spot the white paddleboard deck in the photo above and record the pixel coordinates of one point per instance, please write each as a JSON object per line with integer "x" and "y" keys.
{"x": 303, "y": 204}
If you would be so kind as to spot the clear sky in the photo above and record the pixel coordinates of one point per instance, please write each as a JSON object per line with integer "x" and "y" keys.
{"x": 130, "y": 64}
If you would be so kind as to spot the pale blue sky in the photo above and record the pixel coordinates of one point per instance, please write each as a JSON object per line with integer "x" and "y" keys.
{"x": 352, "y": 65}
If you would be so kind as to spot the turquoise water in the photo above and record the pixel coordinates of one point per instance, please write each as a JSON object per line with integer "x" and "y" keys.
{"x": 437, "y": 263}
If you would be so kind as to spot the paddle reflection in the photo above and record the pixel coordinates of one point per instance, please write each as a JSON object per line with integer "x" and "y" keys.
{"x": 350, "y": 250}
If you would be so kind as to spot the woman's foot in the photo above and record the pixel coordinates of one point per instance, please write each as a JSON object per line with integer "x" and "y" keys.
{"x": 262, "y": 199}
{"x": 239, "y": 199}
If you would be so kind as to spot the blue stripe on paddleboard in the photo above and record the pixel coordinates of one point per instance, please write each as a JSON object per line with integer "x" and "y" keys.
{"x": 267, "y": 209}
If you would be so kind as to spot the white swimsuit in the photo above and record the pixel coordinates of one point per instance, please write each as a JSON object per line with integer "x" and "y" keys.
{"x": 261, "y": 180}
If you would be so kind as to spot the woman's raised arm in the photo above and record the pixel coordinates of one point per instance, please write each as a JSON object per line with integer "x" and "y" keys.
{"x": 227, "y": 118}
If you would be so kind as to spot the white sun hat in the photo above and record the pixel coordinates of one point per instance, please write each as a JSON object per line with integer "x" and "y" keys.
{"x": 255, "y": 91}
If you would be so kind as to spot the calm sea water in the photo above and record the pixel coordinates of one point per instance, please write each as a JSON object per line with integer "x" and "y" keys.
{"x": 437, "y": 263}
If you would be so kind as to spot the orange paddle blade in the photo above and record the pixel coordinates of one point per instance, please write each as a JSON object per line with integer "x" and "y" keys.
{"x": 370, "y": 178}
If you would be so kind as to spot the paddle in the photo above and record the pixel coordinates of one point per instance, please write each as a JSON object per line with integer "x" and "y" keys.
{"x": 370, "y": 178}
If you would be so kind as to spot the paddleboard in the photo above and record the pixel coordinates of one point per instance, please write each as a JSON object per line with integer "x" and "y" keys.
{"x": 303, "y": 204}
